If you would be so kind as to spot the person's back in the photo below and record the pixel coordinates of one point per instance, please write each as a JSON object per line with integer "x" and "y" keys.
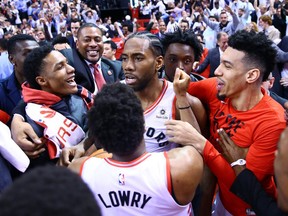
{"x": 136, "y": 182}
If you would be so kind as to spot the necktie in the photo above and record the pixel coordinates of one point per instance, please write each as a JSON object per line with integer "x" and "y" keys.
{"x": 99, "y": 79}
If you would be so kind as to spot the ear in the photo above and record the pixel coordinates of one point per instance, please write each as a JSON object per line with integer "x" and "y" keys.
{"x": 11, "y": 59}
{"x": 77, "y": 44}
{"x": 41, "y": 80}
{"x": 159, "y": 62}
{"x": 252, "y": 75}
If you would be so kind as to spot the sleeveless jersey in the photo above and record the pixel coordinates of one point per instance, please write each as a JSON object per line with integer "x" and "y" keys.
{"x": 139, "y": 187}
{"x": 155, "y": 116}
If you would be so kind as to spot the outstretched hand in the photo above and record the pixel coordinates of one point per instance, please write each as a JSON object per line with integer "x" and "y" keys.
{"x": 231, "y": 151}
{"x": 185, "y": 134}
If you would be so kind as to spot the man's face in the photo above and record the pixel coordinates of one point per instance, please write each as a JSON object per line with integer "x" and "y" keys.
{"x": 57, "y": 77}
{"x": 184, "y": 26}
{"x": 40, "y": 35}
{"x": 74, "y": 28}
{"x": 139, "y": 64}
{"x": 162, "y": 27}
{"x": 223, "y": 18}
{"x": 223, "y": 42}
{"x": 63, "y": 29}
{"x": 281, "y": 171}
{"x": 22, "y": 49}
{"x": 125, "y": 30}
{"x": 108, "y": 52}
{"x": 89, "y": 44}
{"x": 231, "y": 74}
{"x": 178, "y": 55}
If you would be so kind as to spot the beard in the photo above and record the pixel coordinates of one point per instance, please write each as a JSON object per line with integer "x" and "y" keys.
{"x": 221, "y": 97}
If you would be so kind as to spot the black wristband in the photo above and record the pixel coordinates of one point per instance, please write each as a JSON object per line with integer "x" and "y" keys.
{"x": 182, "y": 108}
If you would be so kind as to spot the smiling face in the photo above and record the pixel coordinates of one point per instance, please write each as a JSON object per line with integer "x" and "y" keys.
{"x": 178, "y": 55}
{"x": 89, "y": 44}
{"x": 231, "y": 74}
{"x": 57, "y": 77}
{"x": 140, "y": 64}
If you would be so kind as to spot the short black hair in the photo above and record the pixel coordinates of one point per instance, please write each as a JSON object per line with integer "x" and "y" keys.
{"x": 112, "y": 43}
{"x": 258, "y": 49}
{"x": 47, "y": 191}
{"x": 60, "y": 40}
{"x": 154, "y": 42}
{"x": 33, "y": 64}
{"x": 116, "y": 120}
{"x": 3, "y": 43}
{"x": 87, "y": 25}
{"x": 18, "y": 38}
{"x": 187, "y": 38}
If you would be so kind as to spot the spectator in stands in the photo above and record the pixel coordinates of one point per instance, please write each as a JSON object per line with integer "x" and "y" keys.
{"x": 6, "y": 68}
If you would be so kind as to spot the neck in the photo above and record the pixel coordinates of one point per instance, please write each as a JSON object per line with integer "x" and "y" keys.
{"x": 248, "y": 99}
{"x": 20, "y": 78}
{"x": 140, "y": 150}
{"x": 150, "y": 94}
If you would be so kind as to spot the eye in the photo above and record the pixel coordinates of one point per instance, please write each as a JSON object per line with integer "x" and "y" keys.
{"x": 188, "y": 61}
{"x": 172, "y": 59}
{"x": 138, "y": 58}
{"x": 124, "y": 58}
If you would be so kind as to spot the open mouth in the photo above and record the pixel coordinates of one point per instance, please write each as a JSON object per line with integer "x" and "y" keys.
{"x": 220, "y": 85}
{"x": 71, "y": 81}
{"x": 129, "y": 79}
{"x": 93, "y": 53}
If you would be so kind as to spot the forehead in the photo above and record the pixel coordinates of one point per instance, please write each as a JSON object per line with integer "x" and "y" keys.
{"x": 107, "y": 46}
{"x": 90, "y": 32}
{"x": 54, "y": 57}
{"x": 137, "y": 45}
{"x": 233, "y": 55}
{"x": 179, "y": 50}
{"x": 75, "y": 24}
{"x": 27, "y": 44}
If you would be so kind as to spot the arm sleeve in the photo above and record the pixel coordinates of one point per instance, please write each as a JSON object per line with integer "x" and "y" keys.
{"x": 247, "y": 187}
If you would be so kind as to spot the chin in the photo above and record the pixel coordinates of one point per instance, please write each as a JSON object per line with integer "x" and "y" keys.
{"x": 221, "y": 97}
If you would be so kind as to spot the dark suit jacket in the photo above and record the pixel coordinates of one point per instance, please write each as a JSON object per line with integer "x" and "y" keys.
{"x": 111, "y": 71}
{"x": 248, "y": 188}
{"x": 213, "y": 58}
{"x": 10, "y": 93}
{"x": 71, "y": 42}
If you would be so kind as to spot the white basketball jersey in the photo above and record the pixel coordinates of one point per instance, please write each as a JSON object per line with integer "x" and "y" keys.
{"x": 139, "y": 187}
{"x": 155, "y": 116}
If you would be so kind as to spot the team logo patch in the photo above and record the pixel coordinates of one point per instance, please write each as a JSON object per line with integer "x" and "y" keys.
{"x": 161, "y": 113}
{"x": 121, "y": 179}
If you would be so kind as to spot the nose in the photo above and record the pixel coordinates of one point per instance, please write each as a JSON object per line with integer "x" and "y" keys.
{"x": 70, "y": 69}
{"x": 93, "y": 43}
{"x": 128, "y": 65}
{"x": 181, "y": 65}
{"x": 218, "y": 72}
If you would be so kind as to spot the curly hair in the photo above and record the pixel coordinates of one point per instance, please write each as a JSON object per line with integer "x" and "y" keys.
{"x": 49, "y": 190}
{"x": 187, "y": 38}
{"x": 258, "y": 50}
{"x": 154, "y": 42}
{"x": 116, "y": 120}
{"x": 33, "y": 64}
{"x": 12, "y": 42}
